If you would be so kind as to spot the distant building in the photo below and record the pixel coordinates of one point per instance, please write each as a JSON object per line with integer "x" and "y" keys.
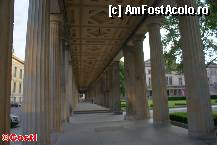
{"x": 17, "y": 80}
{"x": 176, "y": 83}
{"x": 212, "y": 78}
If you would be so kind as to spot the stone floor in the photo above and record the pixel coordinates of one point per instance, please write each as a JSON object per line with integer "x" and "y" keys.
{"x": 109, "y": 129}
{"x": 89, "y": 107}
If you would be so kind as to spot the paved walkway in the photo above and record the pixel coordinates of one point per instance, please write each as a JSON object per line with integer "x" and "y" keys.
{"x": 109, "y": 129}
{"x": 89, "y": 107}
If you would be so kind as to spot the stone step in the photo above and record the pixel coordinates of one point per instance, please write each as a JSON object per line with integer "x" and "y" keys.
{"x": 91, "y": 111}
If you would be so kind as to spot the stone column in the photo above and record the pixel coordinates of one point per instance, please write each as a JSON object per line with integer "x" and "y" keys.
{"x": 97, "y": 91}
{"x": 158, "y": 80}
{"x": 116, "y": 92}
{"x": 55, "y": 72}
{"x": 74, "y": 91}
{"x": 102, "y": 89}
{"x": 110, "y": 86}
{"x": 70, "y": 87}
{"x": 129, "y": 68}
{"x": 36, "y": 81}
{"x": 140, "y": 79}
{"x": 6, "y": 23}
{"x": 135, "y": 80}
{"x": 200, "y": 120}
{"x": 63, "y": 82}
{"x": 67, "y": 86}
{"x": 108, "y": 95}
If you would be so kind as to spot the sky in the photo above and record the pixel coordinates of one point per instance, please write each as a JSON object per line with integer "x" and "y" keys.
{"x": 20, "y": 24}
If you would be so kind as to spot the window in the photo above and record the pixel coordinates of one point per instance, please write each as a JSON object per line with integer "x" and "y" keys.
{"x": 150, "y": 93}
{"x": 171, "y": 80}
{"x": 21, "y": 73}
{"x": 14, "y": 88}
{"x": 175, "y": 92}
{"x": 168, "y": 92}
{"x": 149, "y": 71}
{"x": 180, "y": 82}
{"x": 149, "y": 81}
{"x": 167, "y": 81}
{"x": 20, "y": 88}
{"x": 180, "y": 92}
{"x": 15, "y": 71}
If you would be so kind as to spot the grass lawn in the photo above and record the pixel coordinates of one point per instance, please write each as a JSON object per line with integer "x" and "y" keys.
{"x": 171, "y": 104}
{"x": 182, "y": 117}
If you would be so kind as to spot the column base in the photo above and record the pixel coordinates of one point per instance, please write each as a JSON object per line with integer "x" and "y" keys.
{"x": 54, "y": 136}
{"x": 203, "y": 135}
{"x": 161, "y": 124}
{"x": 134, "y": 117}
{"x": 117, "y": 113}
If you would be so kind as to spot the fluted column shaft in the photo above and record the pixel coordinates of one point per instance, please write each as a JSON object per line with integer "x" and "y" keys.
{"x": 110, "y": 86}
{"x": 140, "y": 79}
{"x": 36, "y": 80}
{"x": 63, "y": 82}
{"x": 160, "y": 101}
{"x": 116, "y": 92}
{"x": 135, "y": 80}
{"x": 55, "y": 72}
{"x": 75, "y": 92}
{"x": 65, "y": 97}
{"x": 200, "y": 120}
{"x": 6, "y": 23}
{"x": 129, "y": 68}
{"x": 68, "y": 84}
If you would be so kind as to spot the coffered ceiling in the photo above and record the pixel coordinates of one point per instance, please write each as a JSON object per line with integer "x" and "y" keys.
{"x": 95, "y": 39}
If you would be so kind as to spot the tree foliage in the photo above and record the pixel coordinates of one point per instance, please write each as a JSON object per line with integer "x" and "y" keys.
{"x": 171, "y": 39}
{"x": 122, "y": 78}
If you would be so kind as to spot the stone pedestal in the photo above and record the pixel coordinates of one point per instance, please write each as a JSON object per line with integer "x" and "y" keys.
{"x": 200, "y": 120}
{"x": 6, "y": 23}
{"x": 159, "y": 91}
{"x": 36, "y": 102}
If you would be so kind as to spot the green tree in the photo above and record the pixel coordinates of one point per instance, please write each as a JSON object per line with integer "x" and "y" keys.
{"x": 122, "y": 78}
{"x": 171, "y": 39}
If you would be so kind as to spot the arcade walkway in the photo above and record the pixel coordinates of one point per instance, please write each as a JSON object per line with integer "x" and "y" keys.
{"x": 108, "y": 129}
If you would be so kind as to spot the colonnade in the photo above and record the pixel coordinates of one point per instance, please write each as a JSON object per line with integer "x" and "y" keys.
{"x": 6, "y": 35}
{"x": 49, "y": 94}
{"x": 105, "y": 90}
{"x": 49, "y": 84}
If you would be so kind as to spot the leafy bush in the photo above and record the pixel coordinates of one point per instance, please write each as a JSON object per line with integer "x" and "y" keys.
{"x": 176, "y": 98}
{"x": 213, "y": 96}
{"x": 182, "y": 117}
{"x": 180, "y": 104}
{"x": 179, "y": 117}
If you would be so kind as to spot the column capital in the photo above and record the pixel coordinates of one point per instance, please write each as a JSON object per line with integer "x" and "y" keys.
{"x": 138, "y": 37}
{"x": 56, "y": 17}
{"x": 154, "y": 21}
{"x": 128, "y": 47}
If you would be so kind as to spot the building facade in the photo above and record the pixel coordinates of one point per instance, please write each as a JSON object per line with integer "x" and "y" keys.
{"x": 17, "y": 80}
{"x": 175, "y": 82}
{"x": 212, "y": 78}
{"x": 64, "y": 39}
